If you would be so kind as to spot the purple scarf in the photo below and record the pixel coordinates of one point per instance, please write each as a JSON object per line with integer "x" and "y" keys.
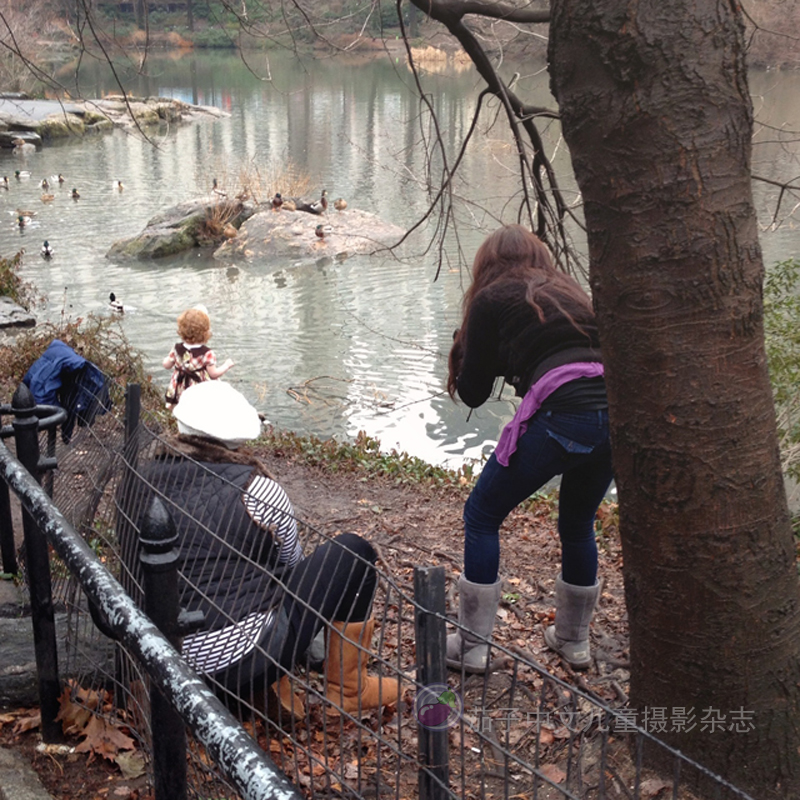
{"x": 534, "y": 398}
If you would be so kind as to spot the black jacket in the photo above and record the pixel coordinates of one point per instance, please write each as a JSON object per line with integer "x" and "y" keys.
{"x": 503, "y": 336}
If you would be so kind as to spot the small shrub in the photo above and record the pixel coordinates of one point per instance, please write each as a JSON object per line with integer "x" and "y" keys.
{"x": 12, "y": 285}
{"x": 782, "y": 339}
{"x": 214, "y": 37}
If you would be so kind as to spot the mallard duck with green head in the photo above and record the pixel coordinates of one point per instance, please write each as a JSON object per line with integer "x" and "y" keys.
{"x": 323, "y": 230}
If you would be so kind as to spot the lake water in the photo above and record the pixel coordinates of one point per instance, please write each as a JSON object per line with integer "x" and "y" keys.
{"x": 332, "y": 347}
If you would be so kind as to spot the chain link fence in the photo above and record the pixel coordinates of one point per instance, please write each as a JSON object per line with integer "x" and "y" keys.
{"x": 518, "y": 732}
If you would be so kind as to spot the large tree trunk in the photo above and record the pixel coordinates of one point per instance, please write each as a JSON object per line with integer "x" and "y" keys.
{"x": 656, "y": 111}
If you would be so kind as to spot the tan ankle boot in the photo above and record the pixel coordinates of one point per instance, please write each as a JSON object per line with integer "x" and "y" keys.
{"x": 291, "y": 703}
{"x": 349, "y": 686}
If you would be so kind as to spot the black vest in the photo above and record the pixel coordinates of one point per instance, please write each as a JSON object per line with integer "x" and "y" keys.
{"x": 228, "y": 563}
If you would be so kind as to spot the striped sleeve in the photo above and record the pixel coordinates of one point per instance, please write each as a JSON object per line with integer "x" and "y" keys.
{"x": 270, "y": 508}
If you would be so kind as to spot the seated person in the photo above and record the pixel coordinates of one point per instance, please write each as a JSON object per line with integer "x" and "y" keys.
{"x": 243, "y": 567}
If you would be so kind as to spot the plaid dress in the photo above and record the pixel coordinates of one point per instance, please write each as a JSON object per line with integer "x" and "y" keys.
{"x": 190, "y": 365}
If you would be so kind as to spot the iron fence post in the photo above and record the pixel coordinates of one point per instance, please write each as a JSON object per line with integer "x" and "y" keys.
{"x": 127, "y": 536}
{"x": 8, "y": 549}
{"x": 159, "y": 559}
{"x": 126, "y": 531}
{"x": 37, "y": 562}
{"x": 429, "y": 594}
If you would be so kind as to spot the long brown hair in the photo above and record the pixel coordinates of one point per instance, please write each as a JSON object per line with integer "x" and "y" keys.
{"x": 514, "y": 252}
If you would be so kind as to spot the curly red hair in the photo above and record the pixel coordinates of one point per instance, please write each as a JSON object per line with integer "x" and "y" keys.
{"x": 194, "y": 326}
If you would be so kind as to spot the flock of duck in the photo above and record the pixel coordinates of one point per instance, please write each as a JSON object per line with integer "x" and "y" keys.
{"x": 278, "y": 203}
{"x": 25, "y": 215}
{"x": 318, "y": 207}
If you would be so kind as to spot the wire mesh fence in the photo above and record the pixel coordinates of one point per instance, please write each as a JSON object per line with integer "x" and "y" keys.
{"x": 328, "y": 660}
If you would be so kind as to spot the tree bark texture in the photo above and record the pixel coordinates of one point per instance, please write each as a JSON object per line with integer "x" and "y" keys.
{"x": 657, "y": 115}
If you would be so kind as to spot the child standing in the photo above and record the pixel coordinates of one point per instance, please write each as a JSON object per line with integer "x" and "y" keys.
{"x": 191, "y": 360}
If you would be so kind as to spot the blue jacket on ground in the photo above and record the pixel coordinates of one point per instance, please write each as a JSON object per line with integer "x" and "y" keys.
{"x": 61, "y": 377}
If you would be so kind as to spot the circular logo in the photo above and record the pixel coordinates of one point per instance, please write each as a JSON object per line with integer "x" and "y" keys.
{"x": 437, "y": 707}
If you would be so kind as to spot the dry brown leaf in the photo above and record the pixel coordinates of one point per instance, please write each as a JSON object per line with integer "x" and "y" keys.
{"x": 351, "y": 771}
{"x": 76, "y": 707}
{"x": 546, "y": 736}
{"x": 653, "y": 786}
{"x": 104, "y": 739}
{"x": 553, "y": 773}
{"x": 131, "y": 764}
{"x": 28, "y": 723}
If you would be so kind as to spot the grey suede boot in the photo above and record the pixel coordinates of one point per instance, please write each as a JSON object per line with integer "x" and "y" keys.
{"x": 569, "y": 637}
{"x": 476, "y": 612}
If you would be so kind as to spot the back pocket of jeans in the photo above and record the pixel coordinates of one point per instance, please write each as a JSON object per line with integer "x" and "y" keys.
{"x": 569, "y": 445}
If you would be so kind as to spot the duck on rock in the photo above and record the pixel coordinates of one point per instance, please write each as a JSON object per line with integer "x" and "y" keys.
{"x": 319, "y": 207}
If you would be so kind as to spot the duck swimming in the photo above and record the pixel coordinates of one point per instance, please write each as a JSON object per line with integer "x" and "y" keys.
{"x": 45, "y": 184}
{"x": 4, "y": 183}
{"x": 75, "y": 194}
{"x": 47, "y": 251}
{"x": 21, "y": 146}
{"x": 119, "y": 186}
{"x": 21, "y": 173}
{"x": 114, "y": 304}
{"x": 48, "y": 198}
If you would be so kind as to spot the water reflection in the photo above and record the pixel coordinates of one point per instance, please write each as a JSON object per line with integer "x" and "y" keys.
{"x": 332, "y": 347}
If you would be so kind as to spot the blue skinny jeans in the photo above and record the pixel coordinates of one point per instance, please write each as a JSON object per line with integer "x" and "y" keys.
{"x": 574, "y": 445}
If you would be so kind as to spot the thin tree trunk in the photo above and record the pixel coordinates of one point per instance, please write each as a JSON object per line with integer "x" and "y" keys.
{"x": 656, "y": 111}
{"x": 140, "y": 11}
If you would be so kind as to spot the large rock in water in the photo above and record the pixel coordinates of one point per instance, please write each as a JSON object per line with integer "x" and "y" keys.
{"x": 35, "y": 121}
{"x": 13, "y": 319}
{"x": 191, "y": 224}
{"x": 291, "y": 235}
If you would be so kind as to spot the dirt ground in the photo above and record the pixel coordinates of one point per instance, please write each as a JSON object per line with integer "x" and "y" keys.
{"x": 410, "y": 526}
